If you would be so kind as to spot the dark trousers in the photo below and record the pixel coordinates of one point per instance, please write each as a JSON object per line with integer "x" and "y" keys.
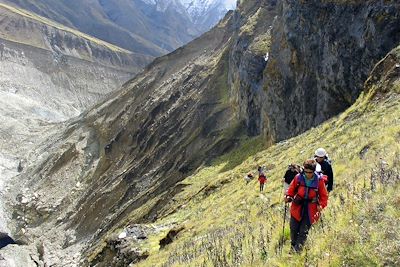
{"x": 299, "y": 232}
{"x": 261, "y": 187}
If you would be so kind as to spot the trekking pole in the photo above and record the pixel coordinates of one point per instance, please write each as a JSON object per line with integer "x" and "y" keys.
{"x": 322, "y": 223}
{"x": 283, "y": 229}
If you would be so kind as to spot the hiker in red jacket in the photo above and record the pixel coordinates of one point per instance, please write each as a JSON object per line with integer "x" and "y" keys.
{"x": 309, "y": 196}
{"x": 262, "y": 178}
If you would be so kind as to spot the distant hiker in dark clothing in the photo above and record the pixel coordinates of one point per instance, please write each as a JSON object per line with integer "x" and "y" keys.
{"x": 20, "y": 167}
{"x": 262, "y": 178}
{"x": 324, "y": 167}
{"x": 308, "y": 195}
{"x": 260, "y": 169}
{"x": 292, "y": 170}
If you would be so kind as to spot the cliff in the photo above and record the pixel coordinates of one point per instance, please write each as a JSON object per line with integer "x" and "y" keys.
{"x": 321, "y": 54}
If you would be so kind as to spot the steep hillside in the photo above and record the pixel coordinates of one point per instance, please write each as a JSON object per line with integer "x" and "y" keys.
{"x": 124, "y": 160}
{"x": 130, "y": 149}
{"x": 150, "y": 28}
{"x": 219, "y": 220}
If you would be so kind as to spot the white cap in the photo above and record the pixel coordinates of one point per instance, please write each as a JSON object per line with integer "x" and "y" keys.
{"x": 320, "y": 152}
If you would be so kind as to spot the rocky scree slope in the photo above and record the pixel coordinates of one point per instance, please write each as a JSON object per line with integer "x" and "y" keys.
{"x": 49, "y": 73}
{"x": 125, "y": 157}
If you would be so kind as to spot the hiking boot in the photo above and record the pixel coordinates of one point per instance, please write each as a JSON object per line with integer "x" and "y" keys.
{"x": 294, "y": 250}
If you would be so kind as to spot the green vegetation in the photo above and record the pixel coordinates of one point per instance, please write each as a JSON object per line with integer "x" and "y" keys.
{"x": 251, "y": 23}
{"x": 220, "y": 81}
{"x": 227, "y": 222}
{"x": 261, "y": 43}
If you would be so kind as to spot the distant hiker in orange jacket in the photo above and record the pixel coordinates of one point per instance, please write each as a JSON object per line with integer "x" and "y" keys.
{"x": 309, "y": 196}
{"x": 262, "y": 178}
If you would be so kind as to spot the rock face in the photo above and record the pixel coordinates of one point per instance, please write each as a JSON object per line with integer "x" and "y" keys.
{"x": 247, "y": 64}
{"x": 310, "y": 63}
{"x": 14, "y": 256}
{"x": 321, "y": 54}
{"x": 255, "y": 73}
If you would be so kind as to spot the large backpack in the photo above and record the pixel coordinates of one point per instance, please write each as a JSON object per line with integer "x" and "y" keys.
{"x": 291, "y": 172}
{"x": 302, "y": 182}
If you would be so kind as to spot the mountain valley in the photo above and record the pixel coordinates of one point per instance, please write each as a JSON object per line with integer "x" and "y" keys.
{"x": 151, "y": 174}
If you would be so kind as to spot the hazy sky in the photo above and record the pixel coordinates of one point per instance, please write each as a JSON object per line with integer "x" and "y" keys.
{"x": 230, "y": 3}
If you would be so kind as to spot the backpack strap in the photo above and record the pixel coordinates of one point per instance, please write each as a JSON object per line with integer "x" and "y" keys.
{"x": 302, "y": 182}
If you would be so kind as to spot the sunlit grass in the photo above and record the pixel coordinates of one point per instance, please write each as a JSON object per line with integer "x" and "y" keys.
{"x": 229, "y": 222}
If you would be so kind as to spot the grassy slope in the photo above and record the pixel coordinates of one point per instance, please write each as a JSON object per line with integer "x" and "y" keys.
{"x": 229, "y": 223}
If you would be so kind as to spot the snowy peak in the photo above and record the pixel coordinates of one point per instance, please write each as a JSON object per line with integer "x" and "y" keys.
{"x": 198, "y": 8}
{"x": 163, "y": 5}
{"x": 207, "y": 13}
{"x": 203, "y": 5}
{"x": 193, "y": 6}
{"x": 202, "y": 13}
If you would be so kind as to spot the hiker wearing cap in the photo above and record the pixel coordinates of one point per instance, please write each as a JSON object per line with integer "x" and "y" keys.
{"x": 308, "y": 196}
{"x": 292, "y": 170}
{"x": 325, "y": 167}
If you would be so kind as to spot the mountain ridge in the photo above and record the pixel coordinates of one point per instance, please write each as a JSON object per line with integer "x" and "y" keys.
{"x": 44, "y": 20}
{"x": 138, "y": 26}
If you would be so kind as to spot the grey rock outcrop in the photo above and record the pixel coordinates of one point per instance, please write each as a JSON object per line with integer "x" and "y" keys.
{"x": 321, "y": 54}
{"x": 294, "y": 65}
{"x": 17, "y": 256}
{"x": 248, "y": 62}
